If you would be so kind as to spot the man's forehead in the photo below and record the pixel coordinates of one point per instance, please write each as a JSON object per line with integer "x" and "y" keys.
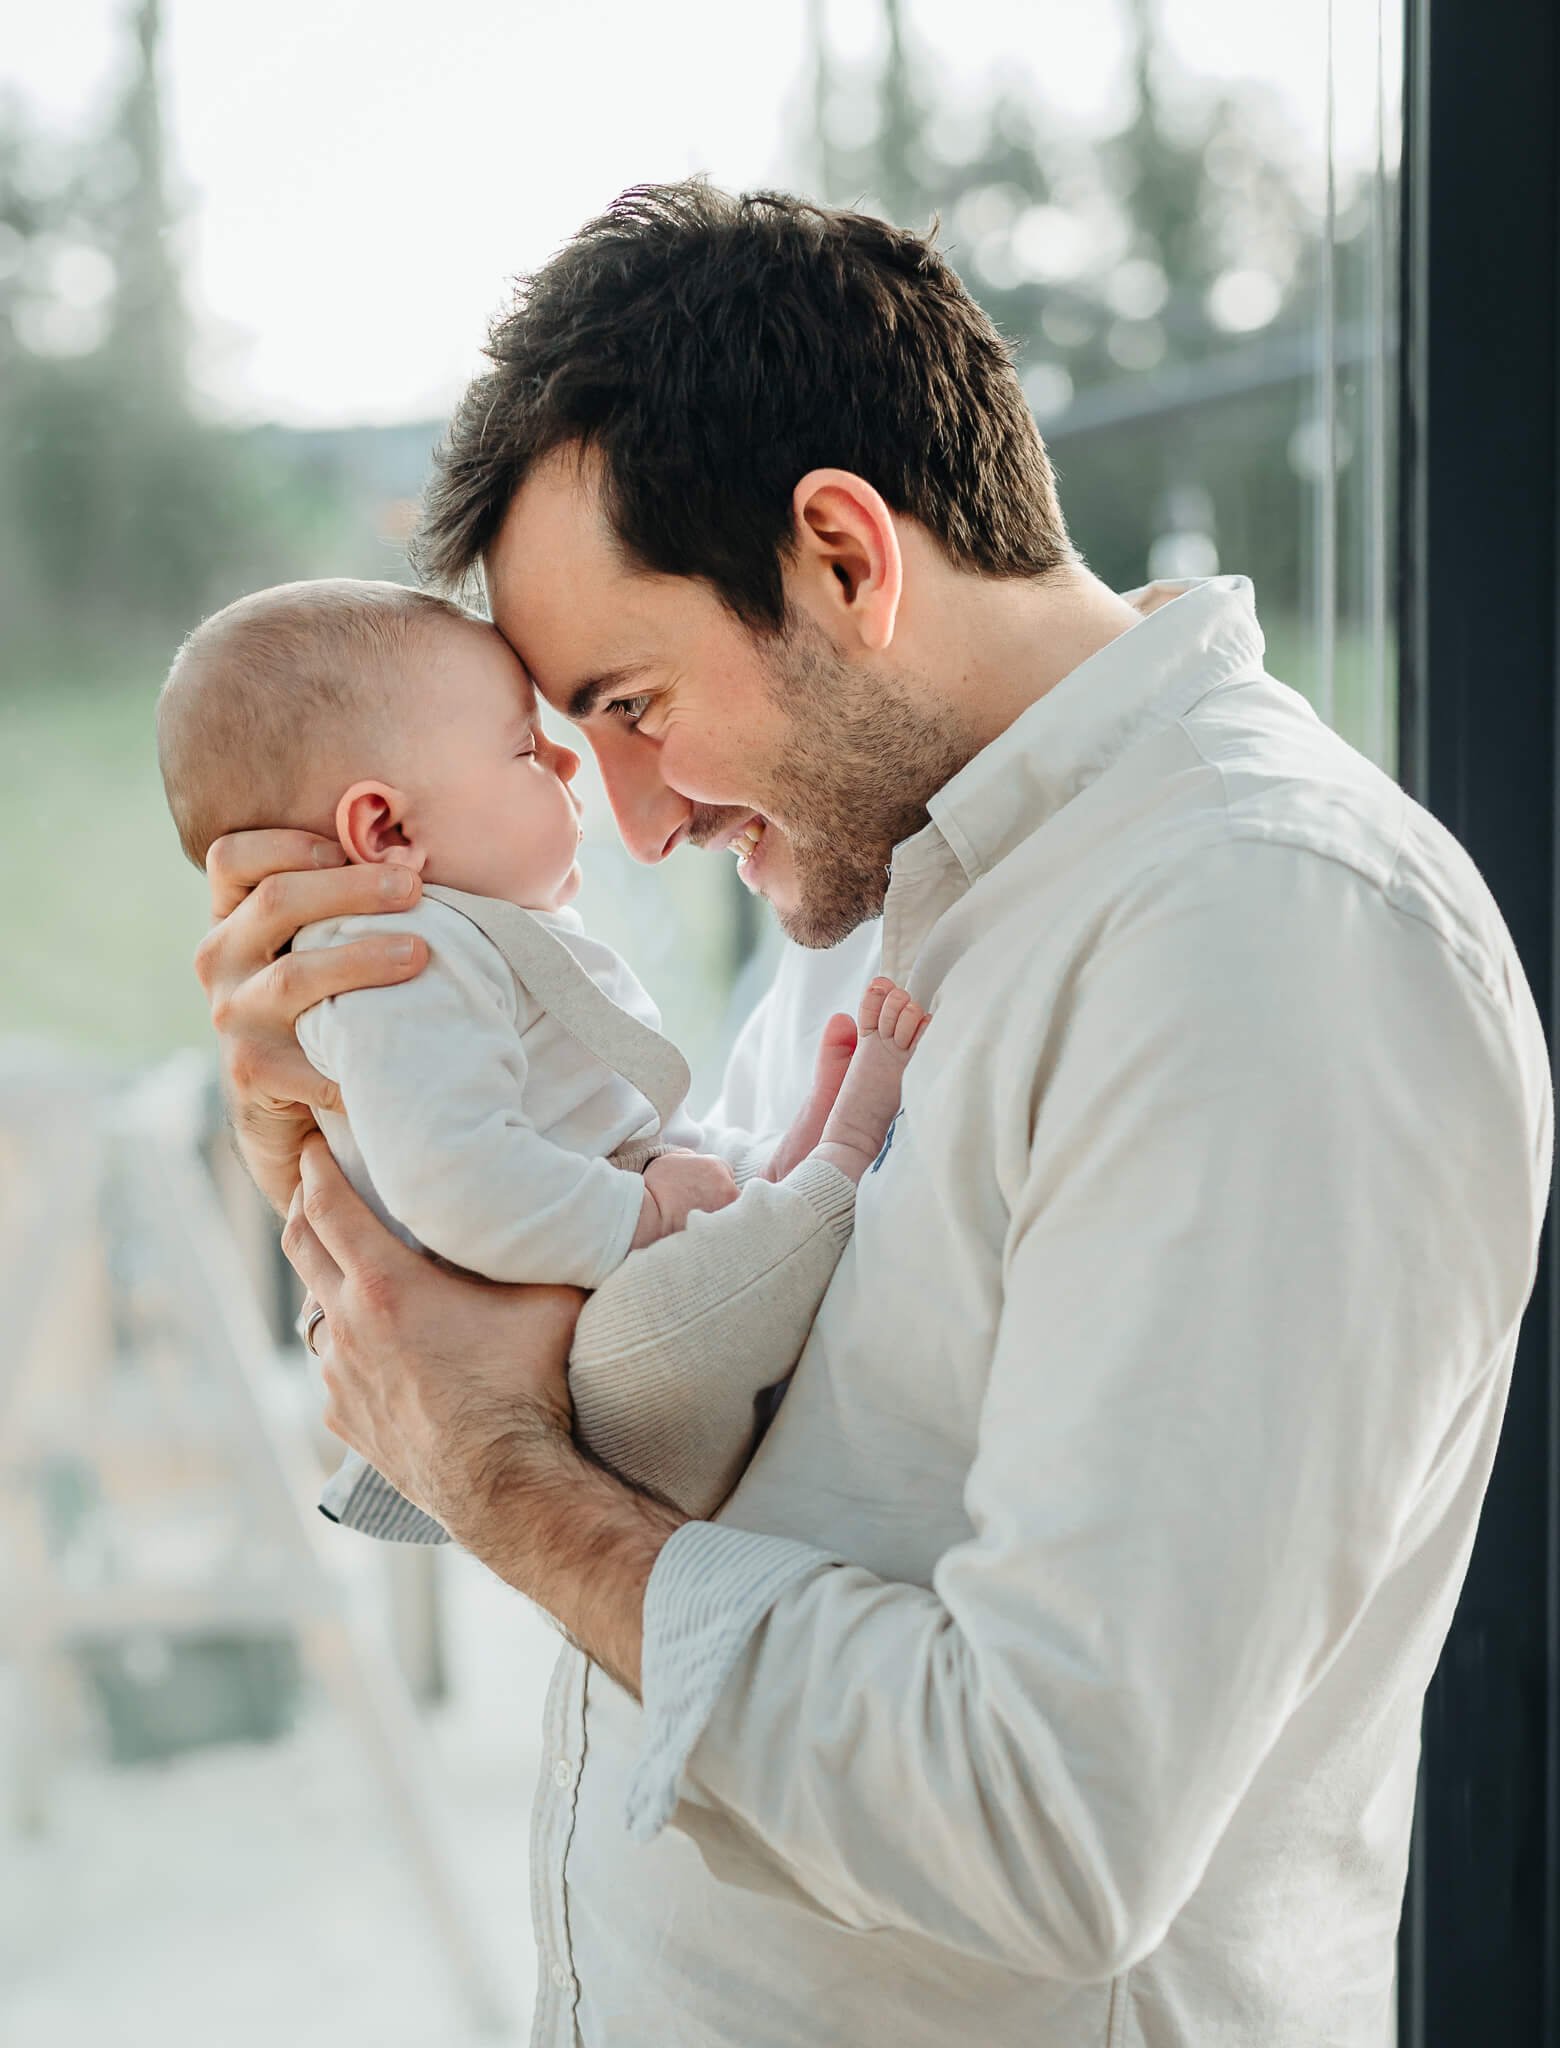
{"x": 555, "y": 528}
{"x": 560, "y": 592}
{"x": 574, "y": 664}
{"x": 554, "y": 572}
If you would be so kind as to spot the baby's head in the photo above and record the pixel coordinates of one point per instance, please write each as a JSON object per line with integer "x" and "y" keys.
{"x": 392, "y": 720}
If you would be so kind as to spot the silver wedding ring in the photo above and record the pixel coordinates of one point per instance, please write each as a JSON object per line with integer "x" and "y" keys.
{"x": 316, "y": 1317}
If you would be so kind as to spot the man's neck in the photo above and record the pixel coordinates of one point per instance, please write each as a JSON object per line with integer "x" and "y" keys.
{"x": 1004, "y": 643}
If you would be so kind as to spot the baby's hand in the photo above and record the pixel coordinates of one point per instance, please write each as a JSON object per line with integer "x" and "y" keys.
{"x": 676, "y": 1184}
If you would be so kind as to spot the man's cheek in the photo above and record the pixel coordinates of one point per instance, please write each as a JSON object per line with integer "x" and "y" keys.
{"x": 722, "y": 770}
{"x": 618, "y": 751}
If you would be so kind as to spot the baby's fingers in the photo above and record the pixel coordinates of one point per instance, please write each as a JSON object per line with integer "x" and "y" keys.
{"x": 894, "y": 1016}
{"x": 908, "y": 1026}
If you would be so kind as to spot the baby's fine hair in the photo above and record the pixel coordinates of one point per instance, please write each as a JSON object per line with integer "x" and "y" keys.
{"x": 262, "y": 689}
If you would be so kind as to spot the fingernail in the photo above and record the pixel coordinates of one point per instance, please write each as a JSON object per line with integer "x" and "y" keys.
{"x": 327, "y": 856}
{"x": 395, "y": 885}
{"x": 401, "y": 950}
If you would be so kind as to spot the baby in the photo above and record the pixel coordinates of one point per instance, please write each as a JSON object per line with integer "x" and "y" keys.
{"x": 514, "y": 1109}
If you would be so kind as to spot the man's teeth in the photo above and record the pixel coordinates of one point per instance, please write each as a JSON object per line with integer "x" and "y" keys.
{"x": 745, "y": 845}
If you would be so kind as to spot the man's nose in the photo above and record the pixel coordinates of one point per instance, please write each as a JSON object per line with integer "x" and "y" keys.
{"x": 651, "y": 816}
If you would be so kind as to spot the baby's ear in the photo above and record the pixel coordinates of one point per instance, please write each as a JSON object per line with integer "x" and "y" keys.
{"x": 370, "y": 825}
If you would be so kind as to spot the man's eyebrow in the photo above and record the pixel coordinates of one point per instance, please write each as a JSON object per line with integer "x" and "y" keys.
{"x": 589, "y": 695}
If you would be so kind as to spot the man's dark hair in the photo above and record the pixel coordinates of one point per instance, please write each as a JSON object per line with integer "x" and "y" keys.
{"x": 710, "y": 350}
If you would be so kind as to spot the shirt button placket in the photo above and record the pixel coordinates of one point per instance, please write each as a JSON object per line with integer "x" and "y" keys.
{"x": 565, "y": 1726}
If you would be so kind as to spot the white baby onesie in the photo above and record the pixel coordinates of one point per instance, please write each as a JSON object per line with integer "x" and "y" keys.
{"x": 476, "y": 1124}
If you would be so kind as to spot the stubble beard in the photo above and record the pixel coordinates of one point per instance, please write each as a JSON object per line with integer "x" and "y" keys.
{"x": 862, "y": 761}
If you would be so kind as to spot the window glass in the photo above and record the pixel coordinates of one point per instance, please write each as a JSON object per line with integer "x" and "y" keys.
{"x": 246, "y": 260}
{"x": 218, "y": 368}
{"x": 1183, "y": 217}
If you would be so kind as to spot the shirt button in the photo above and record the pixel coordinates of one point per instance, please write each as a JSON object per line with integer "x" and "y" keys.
{"x": 560, "y": 1975}
{"x": 563, "y": 1772}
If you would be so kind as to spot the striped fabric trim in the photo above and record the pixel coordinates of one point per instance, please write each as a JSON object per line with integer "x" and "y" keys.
{"x": 710, "y": 1588}
{"x": 359, "y": 1498}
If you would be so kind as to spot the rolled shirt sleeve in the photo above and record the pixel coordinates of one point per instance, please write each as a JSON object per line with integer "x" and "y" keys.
{"x": 710, "y": 1589}
{"x": 1276, "y": 1231}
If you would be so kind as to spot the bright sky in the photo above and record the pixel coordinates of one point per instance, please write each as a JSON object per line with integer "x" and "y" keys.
{"x": 359, "y": 179}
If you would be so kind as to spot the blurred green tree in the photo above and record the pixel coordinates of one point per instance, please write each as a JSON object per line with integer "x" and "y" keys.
{"x": 1159, "y": 286}
{"x": 123, "y": 512}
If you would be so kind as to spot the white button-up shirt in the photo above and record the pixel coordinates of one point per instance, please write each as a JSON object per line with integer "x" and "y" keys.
{"x": 1053, "y": 1676}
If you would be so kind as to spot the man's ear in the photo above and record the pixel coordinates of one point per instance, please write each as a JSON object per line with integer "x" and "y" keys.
{"x": 846, "y": 550}
{"x": 370, "y": 823}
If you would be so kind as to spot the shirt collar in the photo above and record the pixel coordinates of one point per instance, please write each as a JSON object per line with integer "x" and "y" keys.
{"x": 1193, "y": 636}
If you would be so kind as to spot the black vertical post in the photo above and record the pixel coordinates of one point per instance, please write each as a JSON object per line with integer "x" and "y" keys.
{"x": 1480, "y": 1951}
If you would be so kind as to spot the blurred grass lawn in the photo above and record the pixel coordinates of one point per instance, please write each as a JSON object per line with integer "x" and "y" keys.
{"x": 105, "y": 913}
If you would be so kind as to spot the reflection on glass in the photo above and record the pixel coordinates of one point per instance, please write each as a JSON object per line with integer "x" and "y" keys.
{"x": 1194, "y": 263}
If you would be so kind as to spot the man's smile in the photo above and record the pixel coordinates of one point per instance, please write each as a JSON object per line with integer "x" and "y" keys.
{"x": 745, "y": 844}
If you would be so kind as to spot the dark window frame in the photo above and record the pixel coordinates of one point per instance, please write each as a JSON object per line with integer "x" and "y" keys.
{"x": 1479, "y": 1955}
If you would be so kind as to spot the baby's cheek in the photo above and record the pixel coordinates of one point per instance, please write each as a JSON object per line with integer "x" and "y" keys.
{"x": 545, "y": 842}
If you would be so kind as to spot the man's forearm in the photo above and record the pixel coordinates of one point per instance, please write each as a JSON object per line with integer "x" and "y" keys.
{"x": 456, "y": 1389}
{"x": 576, "y": 1540}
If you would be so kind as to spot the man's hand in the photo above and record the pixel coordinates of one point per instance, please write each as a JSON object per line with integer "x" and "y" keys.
{"x": 456, "y": 1389}
{"x": 264, "y": 887}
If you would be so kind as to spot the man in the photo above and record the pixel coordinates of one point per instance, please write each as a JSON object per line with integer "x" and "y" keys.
{"x": 1053, "y": 1675}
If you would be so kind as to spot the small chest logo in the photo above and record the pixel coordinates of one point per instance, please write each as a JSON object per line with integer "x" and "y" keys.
{"x": 888, "y": 1142}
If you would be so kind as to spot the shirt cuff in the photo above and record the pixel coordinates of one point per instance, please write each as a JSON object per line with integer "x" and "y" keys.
{"x": 709, "y": 1589}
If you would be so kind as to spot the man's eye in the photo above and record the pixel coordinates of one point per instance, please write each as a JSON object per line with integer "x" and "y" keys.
{"x": 628, "y": 709}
